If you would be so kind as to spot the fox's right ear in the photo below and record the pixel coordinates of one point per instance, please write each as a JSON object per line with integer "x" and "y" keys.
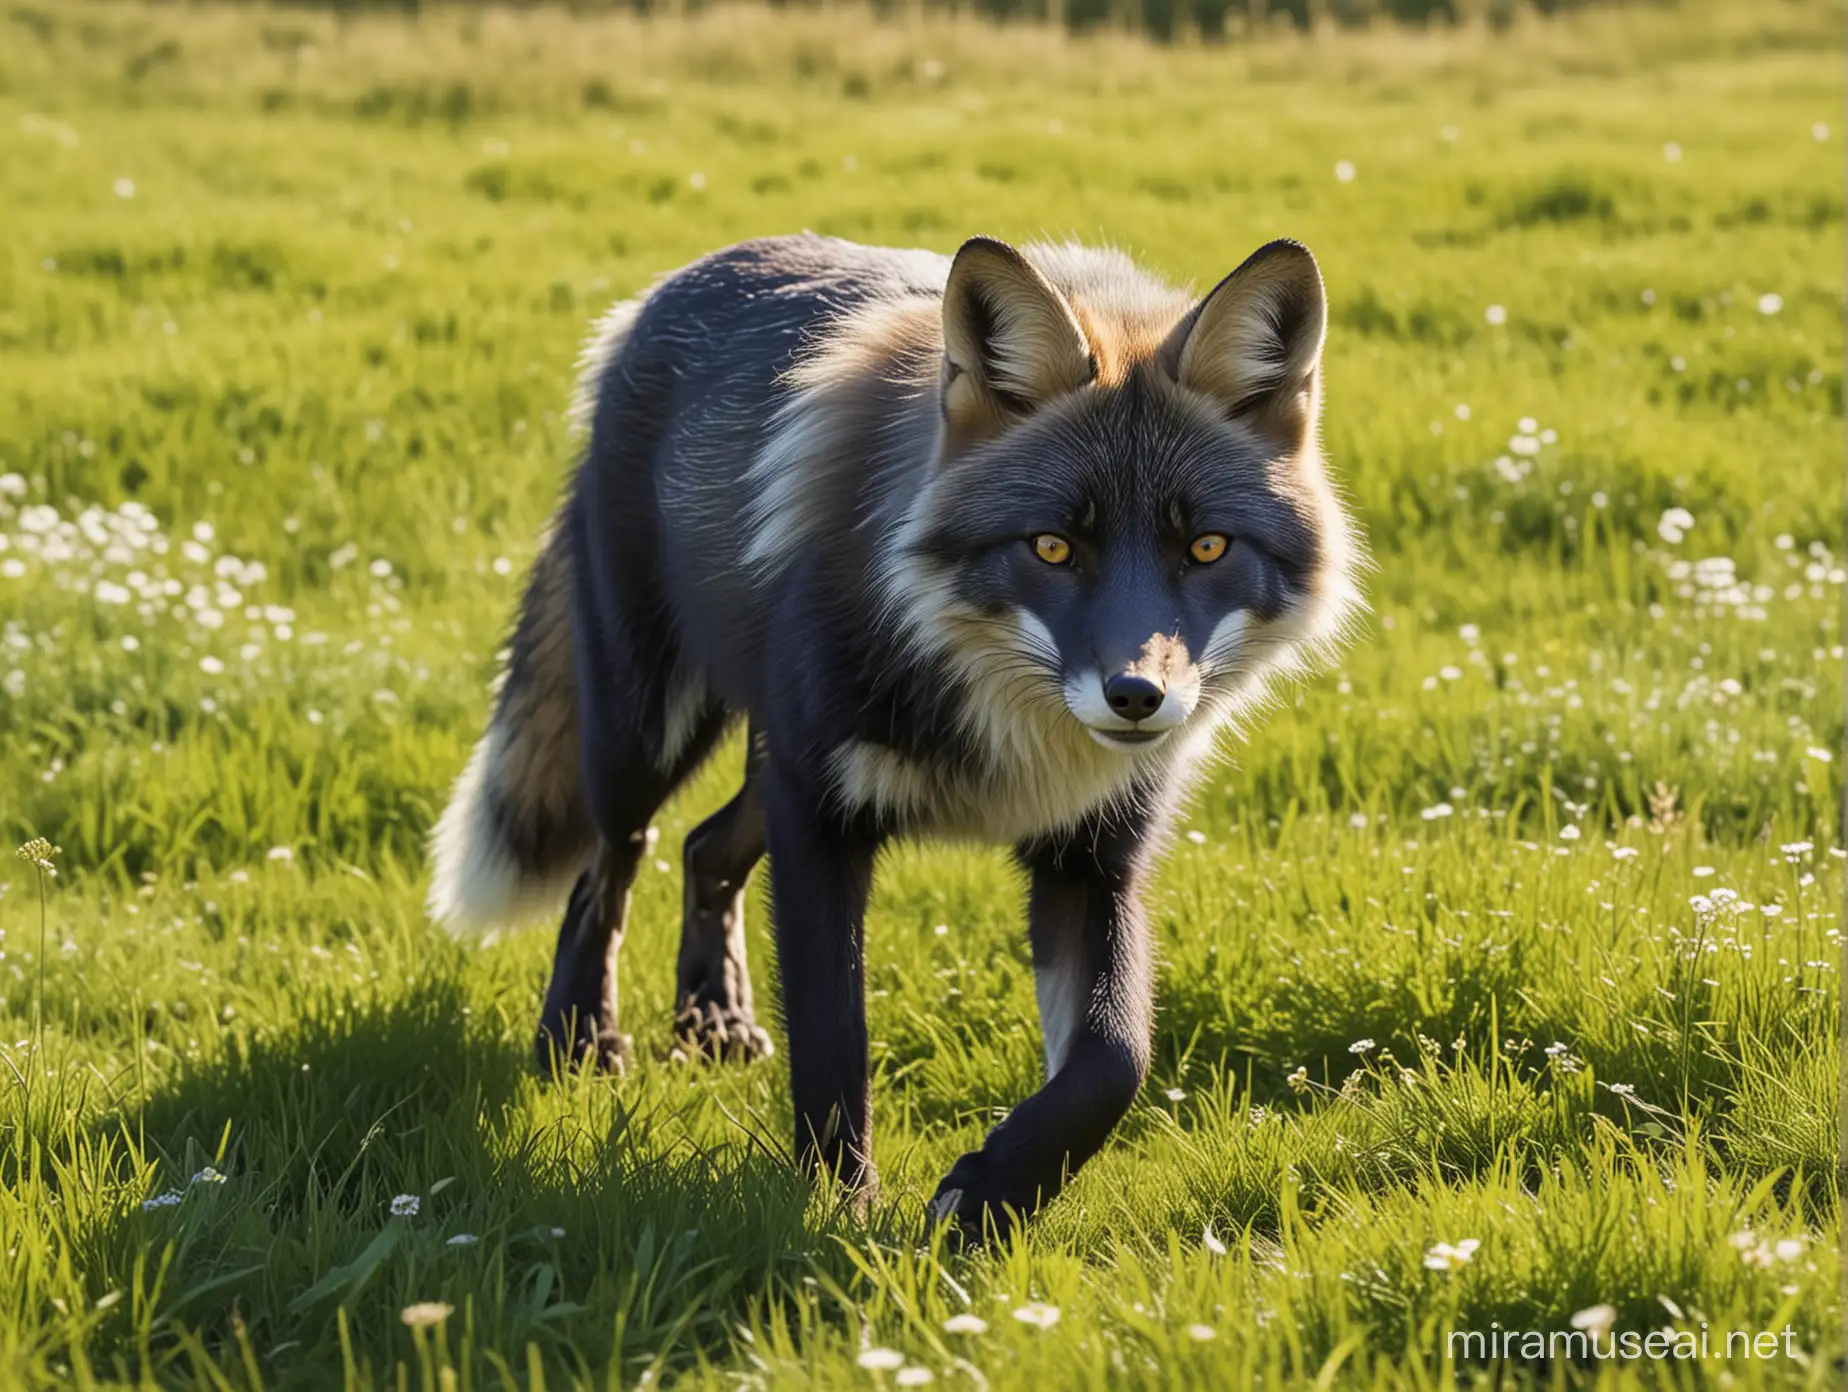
{"x": 1254, "y": 344}
{"x": 1010, "y": 341}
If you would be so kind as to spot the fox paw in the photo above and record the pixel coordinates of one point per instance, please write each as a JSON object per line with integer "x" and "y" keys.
{"x": 726, "y": 1034}
{"x": 971, "y": 1202}
{"x": 582, "y": 1043}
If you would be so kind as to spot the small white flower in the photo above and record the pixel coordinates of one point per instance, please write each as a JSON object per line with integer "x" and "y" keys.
{"x": 281, "y": 853}
{"x": 1674, "y": 525}
{"x": 124, "y": 189}
{"x": 1624, "y": 853}
{"x": 1770, "y": 302}
{"x": 1448, "y": 1257}
{"x": 211, "y": 666}
{"x": 406, "y": 1206}
{"x": 1344, "y": 171}
{"x": 1361, "y": 1046}
{"x": 1568, "y": 832}
{"x": 1595, "y": 1319}
{"x": 1437, "y": 812}
{"x": 425, "y": 1313}
{"x": 1819, "y": 132}
{"x": 914, "y": 1376}
{"x": 1819, "y": 754}
{"x": 1358, "y": 821}
{"x": 1175, "y": 1094}
{"x": 208, "y": 1176}
{"x": 965, "y": 1324}
{"x": 1672, "y": 153}
{"x": 1789, "y": 1250}
{"x": 1197, "y": 837}
{"x": 1760, "y": 1256}
{"x": 880, "y": 1360}
{"x": 1496, "y": 315}
{"x": 1701, "y": 872}
{"x": 1038, "y": 1314}
{"x": 1202, "y": 1333}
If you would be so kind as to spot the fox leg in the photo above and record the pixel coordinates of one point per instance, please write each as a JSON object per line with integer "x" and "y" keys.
{"x": 1091, "y": 964}
{"x": 821, "y": 871}
{"x": 713, "y": 979}
{"x": 578, "y": 1022}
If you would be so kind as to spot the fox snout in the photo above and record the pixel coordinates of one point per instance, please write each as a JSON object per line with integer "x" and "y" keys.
{"x": 1132, "y": 705}
{"x": 1134, "y": 697}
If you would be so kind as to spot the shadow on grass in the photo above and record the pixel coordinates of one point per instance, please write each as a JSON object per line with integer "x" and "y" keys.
{"x": 562, "y": 1220}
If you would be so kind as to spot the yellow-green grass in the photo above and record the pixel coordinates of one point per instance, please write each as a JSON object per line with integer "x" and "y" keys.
{"x": 1558, "y": 836}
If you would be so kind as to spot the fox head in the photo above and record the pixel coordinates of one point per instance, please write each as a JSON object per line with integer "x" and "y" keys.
{"x": 1128, "y": 514}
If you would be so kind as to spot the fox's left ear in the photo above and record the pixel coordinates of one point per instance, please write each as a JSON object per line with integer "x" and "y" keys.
{"x": 1254, "y": 344}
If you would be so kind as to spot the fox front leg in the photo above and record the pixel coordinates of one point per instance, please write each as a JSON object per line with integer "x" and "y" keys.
{"x": 821, "y": 870}
{"x": 1091, "y": 967}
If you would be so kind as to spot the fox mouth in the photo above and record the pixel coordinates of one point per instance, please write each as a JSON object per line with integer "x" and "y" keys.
{"x": 1125, "y": 740}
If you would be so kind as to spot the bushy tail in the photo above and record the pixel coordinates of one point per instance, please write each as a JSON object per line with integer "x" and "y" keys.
{"x": 517, "y": 830}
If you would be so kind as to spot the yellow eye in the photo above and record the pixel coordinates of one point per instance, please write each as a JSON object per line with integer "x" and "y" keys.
{"x": 1053, "y": 550}
{"x": 1207, "y": 547}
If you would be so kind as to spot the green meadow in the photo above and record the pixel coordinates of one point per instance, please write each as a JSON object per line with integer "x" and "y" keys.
{"x": 1499, "y": 984}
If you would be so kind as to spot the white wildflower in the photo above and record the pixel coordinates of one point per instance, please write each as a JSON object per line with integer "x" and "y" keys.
{"x": 1595, "y": 1319}
{"x": 1446, "y": 1256}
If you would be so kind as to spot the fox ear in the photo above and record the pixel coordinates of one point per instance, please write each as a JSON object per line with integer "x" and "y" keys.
{"x": 1010, "y": 340}
{"x": 1254, "y": 344}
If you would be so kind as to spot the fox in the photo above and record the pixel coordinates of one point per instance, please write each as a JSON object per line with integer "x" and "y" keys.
{"x": 989, "y": 548}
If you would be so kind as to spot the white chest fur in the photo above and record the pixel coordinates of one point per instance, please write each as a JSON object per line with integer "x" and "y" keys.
{"x": 1037, "y": 785}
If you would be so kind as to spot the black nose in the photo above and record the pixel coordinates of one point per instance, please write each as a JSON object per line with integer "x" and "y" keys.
{"x": 1133, "y": 698}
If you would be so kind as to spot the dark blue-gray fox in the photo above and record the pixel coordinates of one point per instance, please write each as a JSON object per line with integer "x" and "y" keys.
{"x": 988, "y": 548}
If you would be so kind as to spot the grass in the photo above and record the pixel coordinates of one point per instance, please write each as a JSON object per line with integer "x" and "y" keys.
{"x": 1521, "y": 926}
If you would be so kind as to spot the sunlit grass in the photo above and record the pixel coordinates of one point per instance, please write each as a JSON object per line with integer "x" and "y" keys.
{"x": 1519, "y": 929}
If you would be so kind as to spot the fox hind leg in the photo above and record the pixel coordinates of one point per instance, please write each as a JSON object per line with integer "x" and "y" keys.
{"x": 577, "y": 1025}
{"x": 626, "y": 781}
{"x": 713, "y": 979}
